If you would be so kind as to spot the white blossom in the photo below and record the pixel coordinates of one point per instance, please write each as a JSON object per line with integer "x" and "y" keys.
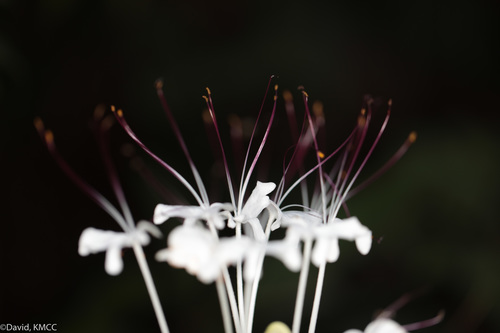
{"x": 381, "y": 325}
{"x": 215, "y": 214}
{"x": 286, "y": 250}
{"x": 201, "y": 253}
{"x": 308, "y": 225}
{"x": 94, "y": 240}
{"x": 327, "y": 236}
{"x": 255, "y": 204}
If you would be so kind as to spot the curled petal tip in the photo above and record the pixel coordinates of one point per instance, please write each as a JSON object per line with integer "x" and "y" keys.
{"x": 364, "y": 243}
{"x": 113, "y": 263}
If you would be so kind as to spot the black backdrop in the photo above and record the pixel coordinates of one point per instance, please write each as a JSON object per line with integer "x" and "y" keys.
{"x": 435, "y": 209}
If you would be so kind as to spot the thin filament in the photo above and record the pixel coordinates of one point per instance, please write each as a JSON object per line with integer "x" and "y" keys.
{"x": 126, "y": 127}
{"x": 178, "y": 135}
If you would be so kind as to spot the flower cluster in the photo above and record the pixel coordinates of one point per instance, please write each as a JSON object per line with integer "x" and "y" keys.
{"x": 226, "y": 243}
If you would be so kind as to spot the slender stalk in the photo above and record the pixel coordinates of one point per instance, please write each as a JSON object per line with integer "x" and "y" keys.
{"x": 253, "y": 297}
{"x": 229, "y": 293}
{"x": 232, "y": 300}
{"x": 317, "y": 298}
{"x": 224, "y": 306}
{"x": 239, "y": 283}
{"x": 150, "y": 285}
{"x": 301, "y": 291}
{"x": 255, "y": 283}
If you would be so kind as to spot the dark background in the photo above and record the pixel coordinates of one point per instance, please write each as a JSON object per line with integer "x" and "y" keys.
{"x": 435, "y": 209}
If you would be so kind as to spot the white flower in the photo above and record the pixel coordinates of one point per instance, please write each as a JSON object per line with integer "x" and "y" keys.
{"x": 381, "y": 325}
{"x": 95, "y": 240}
{"x": 216, "y": 213}
{"x": 286, "y": 250}
{"x": 255, "y": 204}
{"x": 327, "y": 236}
{"x": 198, "y": 251}
{"x": 308, "y": 225}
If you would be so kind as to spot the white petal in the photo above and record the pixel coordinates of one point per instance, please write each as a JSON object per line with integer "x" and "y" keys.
{"x": 274, "y": 214}
{"x": 287, "y": 251}
{"x": 162, "y": 255}
{"x": 215, "y": 214}
{"x": 258, "y": 232}
{"x": 150, "y": 228}
{"x": 319, "y": 253}
{"x": 333, "y": 250}
{"x": 230, "y": 223}
{"x": 95, "y": 240}
{"x": 300, "y": 218}
{"x": 191, "y": 248}
{"x": 209, "y": 273}
{"x": 230, "y": 250}
{"x": 353, "y": 331}
{"x": 113, "y": 264}
{"x": 218, "y": 206}
{"x": 348, "y": 229}
{"x": 364, "y": 243}
{"x": 384, "y": 325}
{"x": 251, "y": 262}
{"x": 164, "y": 212}
{"x": 258, "y": 200}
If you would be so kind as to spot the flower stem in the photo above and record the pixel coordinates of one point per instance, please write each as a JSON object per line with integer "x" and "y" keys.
{"x": 255, "y": 282}
{"x": 150, "y": 285}
{"x": 232, "y": 300}
{"x": 301, "y": 291}
{"x": 317, "y": 298}
{"x": 239, "y": 283}
{"x": 253, "y": 296}
{"x": 224, "y": 306}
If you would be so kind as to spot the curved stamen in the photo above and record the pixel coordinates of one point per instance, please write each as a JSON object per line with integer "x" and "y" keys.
{"x": 244, "y": 183}
{"x": 210, "y": 106}
{"x": 137, "y": 163}
{"x": 178, "y": 135}
{"x": 335, "y": 192}
{"x": 48, "y": 137}
{"x": 395, "y": 158}
{"x": 121, "y": 120}
{"x": 295, "y": 161}
{"x": 236, "y": 132}
{"x": 103, "y": 125}
{"x": 425, "y": 323}
{"x": 300, "y": 149}
{"x": 363, "y": 123}
{"x": 305, "y": 175}
{"x": 318, "y": 158}
{"x": 370, "y": 151}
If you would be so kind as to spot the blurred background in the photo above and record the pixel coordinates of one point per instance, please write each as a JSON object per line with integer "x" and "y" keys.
{"x": 434, "y": 212}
